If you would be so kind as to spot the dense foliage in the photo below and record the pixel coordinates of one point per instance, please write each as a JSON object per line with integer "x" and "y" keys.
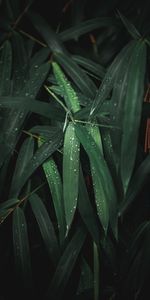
{"x": 74, "y": 151}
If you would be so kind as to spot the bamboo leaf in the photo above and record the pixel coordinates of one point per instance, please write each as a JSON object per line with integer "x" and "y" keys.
{"x": 86, "y": 210}
{"x": 66, "y": 265}
{"x": 136, "y": 184}
{"x": 130, "y": 27}
{"x": 89, "y": 65}
{"x": 5, "y": 68}
{"x": 85, "y": 27}
{"x": 132, "y": 112}
{"x": 21, "y": 247}
{"x": 55, "y": 184}
{"x": 96, "y": 272}
{"x": 24, "y": 156}
{"x": 26, "y": 104}
{"x": 105, "y": 198}
{"x": 46, "y": 228}
{"x": 67, "y": 91}
{"x": 43, "y": 153}
{"x": 78, "y": 76}
{"x": 49, "y": 36}
{"x": 86, "y": 278}
{"x": 108, "y": 81}
{"x": 71, "y": 152}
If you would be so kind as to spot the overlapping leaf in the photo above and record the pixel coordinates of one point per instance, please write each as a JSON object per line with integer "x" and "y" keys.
{"x": 46, "y": 228}
{"x": 132, "y": 112}
{"x": 21, "y": 247}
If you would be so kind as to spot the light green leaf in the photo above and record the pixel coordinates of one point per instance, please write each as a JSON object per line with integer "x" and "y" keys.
{"x": 105, "y": 198}
{"x": 67, "y": 91}
{"x": 71, "y": 153}
{"x": 55, "y": 184}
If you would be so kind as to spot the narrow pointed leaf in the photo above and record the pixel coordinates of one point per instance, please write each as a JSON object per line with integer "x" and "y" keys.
{"x": 96, "y": 272}
{"x": 132, "y": 112}
{"x": 21, "y": 247}
{"x": 136, "y": 184}
{"x": 130, "y": 27}
{"x": 108, "y": 81}
{"x": 43, "y": 153}
{"x": 49, "y": 36}
{"x": 66, "y": 265}
{"x": 85, "y": 27}
{"x": 86, "y": 210}
{"x": 55, "y": 184}
{"x": 105, "y": 198}
{"x": 78, "y": 76}
{"x": 26, "y": 104}
{"x": 46, "y": 228}
{"x": 68, "y": 92}
{"x": 24, "y": 156}
{"x": 71, "y": 152}
{"x": 5, "y": 68}
{"x": 89, "y": 65}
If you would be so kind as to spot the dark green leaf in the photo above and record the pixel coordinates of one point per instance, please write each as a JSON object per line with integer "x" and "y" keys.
{"x": 132, "y": 112}
{"x": 66, "y": 265}
{"x": 86, "y": 210}
{"x": 21, "y": 247}
{"x": 130, "y": 27}
{"x": 78, "y": 76}
{"x": 43, "y": 153}
{"x": 25, "y": 154}
{"x": 46, "y": 228}
{"x": 88, "y": 64}
{"x": 85, "y": 27}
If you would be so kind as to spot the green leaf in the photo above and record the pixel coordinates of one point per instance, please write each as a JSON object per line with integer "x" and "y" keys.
{"x": 43, "y": 153}
{"x": 46, "y": 228}
{"x": 90, "y": 65}
{"x": 67, "y": 91}
{"x": 130, "y": 27}
{"x": 66, "y": 265}
{"x": 86, "y": 210}
{"x": 132, "y": 112}
{"x": 108, "y": 81}
{"x": 96, "y": 272}
{"x": 40, "y": 57}
{"x": 5, "y": 68}
{"x": 6, "y": 207}
{"x": 21, "y": 247}
{"x": 136, "y": 184}
{"x": 71, "y": 152}
{"x": 55, "y": 184}
{"x": 86, "y": 278}
{"x": 27, "y": 104}
{"x": 78, "y": 76}
{"x": 20, "y": 73}
{"x": 85, "y": 27}
{"x": 105, "y": 198}
{"x": 25, "y": 154}
{"x": 118, "y": 100}
{"x": 50, "y": 37}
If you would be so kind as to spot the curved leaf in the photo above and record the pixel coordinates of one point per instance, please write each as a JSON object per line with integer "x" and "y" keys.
{"x": 66, "y": 265}
{"x": 46, "y": 228}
